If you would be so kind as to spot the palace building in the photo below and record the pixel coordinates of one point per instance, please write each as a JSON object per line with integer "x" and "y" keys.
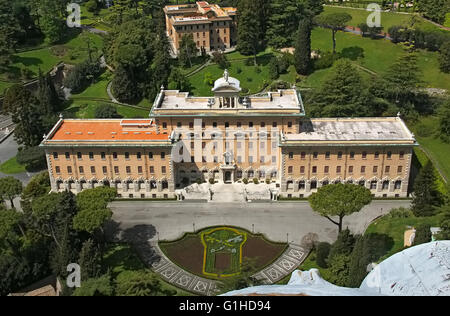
{"x": 228, "y": 138}
{"x": 211, "y": 26}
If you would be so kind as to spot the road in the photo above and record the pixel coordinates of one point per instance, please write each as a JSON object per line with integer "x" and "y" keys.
{"x": 278, "y": 221}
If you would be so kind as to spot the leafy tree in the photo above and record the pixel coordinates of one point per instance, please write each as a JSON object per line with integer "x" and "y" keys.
{"x": 339, "y": 269}
{"x": 178, "y": 81}
{"x": 26, "y": 114}
{"x": 339, "y": 200}
{"x": 10, "y": 188}
{"x": 140, "y": 283}
{"x": 89, "y": 260}
{"x": 444, "y": 57}
{"x": 444, "y": 121}
{"x": 302, "y": 53}
{"x": 9, "y": 31}
{"x": 124, "y": 88}
{"x": 82, "y": 75}
{"x": 46, "y": 94}
{"x": 188, "y": 50}
{"x": 250, "y": 32}
{"x": 426, "y": 195}
{"x": 91, "y": 220}
{"x": 368, "y": 248}
{"x": 96, "y": 198}
{"x": 33, "y": 158}
{"x": 221, "y": 59}
{"x": 343, "y": 245}
{"x": 342, "y": 94}
{"x": 39, "y": 185}
{"x": 10, "y": 229}
{"x": 323, "y": 250}
{"x": 335, "y": 22}
{"x": 105, "y": 111}
{"x": 96, "y": 287}
{"x": 423, "y": 234}
{"x": 52, "y": 19}
{"x": 273, "y": 68}
{"x": 434, "y": 9}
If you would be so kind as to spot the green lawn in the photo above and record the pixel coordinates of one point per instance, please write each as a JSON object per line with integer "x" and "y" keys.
{"x": 11, "y": 166}
{"x": 433, "y": 144}
{"x": 396, "y": 227}
{"x": 379, "y": 55}
{"x": 121, "y": 260}
{"x": 98, "y": 89}
{"x": 71, "y": 51}
{"x": 85, "y": 109}
{"x": 388, "y": 19}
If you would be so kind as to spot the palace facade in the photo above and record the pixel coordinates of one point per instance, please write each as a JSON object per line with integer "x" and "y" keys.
{"x": 228, "y": 138}
{"x": 211, "y": 26}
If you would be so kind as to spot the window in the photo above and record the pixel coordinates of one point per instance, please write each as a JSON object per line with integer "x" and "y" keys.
{"x": 326, "y": 169}
{"x": 263, "y": 124}
{"x": 116, "y": 170}
{"x": 387, "y": 169}
{"x": 350, "y": 169}
{"x": 69, "y": 170}
{"x": 352, "y": 155}
{"x": 57, "y": 170}
{"x": 375, "y": 169}
{"x": 215, "y": 124}
{"x": 340, "y": 155}
{"x": 313, "y": 184}
{"x": 302, "y": 169}
{"x": 103, "y": 155}
{"x": 179, "y": 125}
{"x": 81, "y": 169}
{"x": 250, "y": 159}
{"x": 338, "y": 169}
{"x": 399, "y": 169}
{"x": 79, "y": 155}
{"x": 291, "y": 155}
{"x": 152, "y": 169}
{"x": 140, "y": 169}
{"x": 163, "y": 169}
{"x": 67, "y": 155}
{"x": 91, "y": 156}
{"x": 274, "y": 124}
{"x": 303, "y": 155}
{"x": 290, "y": 169}
{"x": 385, "y": 185}
{"x": 250, "y": 124}
{"x": 163, "y": 155}
{"x": 105, "y": 170}
{"x": 364, "y": 155}
{"x": 327, "y": 155}
{"x": 238, "y": 124}
{"x": 289, "y": 124}
{"x": 363, "y": 169}
{"x": 398, "y": 185}
{"x": 128, "y": 168}
{"x": 239, "y": 159}
{"x": 127, "y": 156}
{"x": 115, "y": 156}
{"x": 55, "y": 155}
{"x": 164, "y": 125}
{"x": 150, "y": 155}
{"x": 191, "y": 125}
{"x": 262, "y": 160}
{"x": 315, "y": 155}
{"x": 314, "y": 169}
{"x": 93, "y": 170}
{"x": 389, "y": 155}
{"x": 373, "y": 185}
{"x": 227, "y": 124}
{"x": 402, "y": 155}
{"x": 377, "y": 155}
{"x": 139, "y": 156}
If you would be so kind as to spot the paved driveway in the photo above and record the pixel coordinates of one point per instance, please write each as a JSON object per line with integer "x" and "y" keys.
{"x": 278, "y": 221}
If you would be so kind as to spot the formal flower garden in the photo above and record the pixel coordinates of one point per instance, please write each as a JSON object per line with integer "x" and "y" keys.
{"x": 219, "y": 252}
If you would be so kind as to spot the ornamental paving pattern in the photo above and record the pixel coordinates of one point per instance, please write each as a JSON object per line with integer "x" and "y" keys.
{"x": 170, "y": 272}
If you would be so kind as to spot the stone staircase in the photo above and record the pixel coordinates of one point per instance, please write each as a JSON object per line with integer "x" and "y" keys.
{"x": 226, "y": 193}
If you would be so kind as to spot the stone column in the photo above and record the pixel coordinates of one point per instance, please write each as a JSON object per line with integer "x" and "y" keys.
{"x": 308, "y": 186}
{"x": 296, "y": 186}
{"x": 124, "y": 186}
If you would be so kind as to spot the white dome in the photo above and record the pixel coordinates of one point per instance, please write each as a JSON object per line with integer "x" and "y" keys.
{"x": 227, "y": 83}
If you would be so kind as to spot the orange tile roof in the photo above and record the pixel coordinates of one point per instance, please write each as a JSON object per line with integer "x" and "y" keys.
{"x": 106, "y": 130}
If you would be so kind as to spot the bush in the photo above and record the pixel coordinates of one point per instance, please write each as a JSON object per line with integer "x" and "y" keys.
{"x": 81, "y": 76}
{"x": 106, "y": 111}
{"x": 220, "y": 59}
{"x": 323, "y": 250}
{"x": 255, "y": 181}
{"x": 400, "y": 212}
{"x": 326, "y": 60}
{"x": 33, "y": 158}
{"x": 268, "y": 181}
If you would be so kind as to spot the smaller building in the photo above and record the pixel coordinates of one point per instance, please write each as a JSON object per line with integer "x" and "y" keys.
{"x": 212, "y": 27}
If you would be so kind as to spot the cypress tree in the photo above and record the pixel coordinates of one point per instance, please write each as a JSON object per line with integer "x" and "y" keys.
{"x": 302, "y": 55}
{"x": 426, "y": 195}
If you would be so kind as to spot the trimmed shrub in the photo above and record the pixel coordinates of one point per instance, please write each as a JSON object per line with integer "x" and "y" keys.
{"x": 245, "y": 180}
{"x": 255, "y": 181}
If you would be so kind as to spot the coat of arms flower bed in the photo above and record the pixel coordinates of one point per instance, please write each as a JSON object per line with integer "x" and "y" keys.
{"x": 219, "y": 252}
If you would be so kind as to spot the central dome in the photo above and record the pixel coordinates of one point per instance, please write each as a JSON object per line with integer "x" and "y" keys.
{"x": 227, "y": 83}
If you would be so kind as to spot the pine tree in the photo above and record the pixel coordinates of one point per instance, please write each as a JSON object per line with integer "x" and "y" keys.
{"x": 302, "y": 55}
{"x": 9, "y": 32}
{"x": 250, "y": 31}
{"x": 46, "y": 94}
{"x": 426, "y": 195}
